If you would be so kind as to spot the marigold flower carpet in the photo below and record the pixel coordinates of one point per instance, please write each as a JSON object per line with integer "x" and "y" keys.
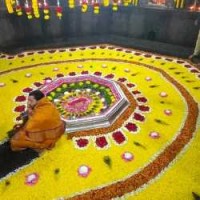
{"x": 135, "y": 131}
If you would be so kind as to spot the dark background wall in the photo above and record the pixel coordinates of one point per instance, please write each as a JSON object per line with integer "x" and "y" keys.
{"x": 171, "y": 32}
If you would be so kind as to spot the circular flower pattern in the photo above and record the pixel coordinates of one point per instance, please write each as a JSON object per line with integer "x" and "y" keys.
{"x": 163, "y": 128}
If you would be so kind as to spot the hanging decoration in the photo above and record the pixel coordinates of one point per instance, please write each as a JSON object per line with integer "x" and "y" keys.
{"x": 115, "y": 4}
{"x": 84, "y": 5}
{"x": 179, "y": 3}
{"x": 59, "y": 10}
{"x": 34, "y": 8}
{"x": 71, "y": 3}
{"x": 96, "y": 6}
{"x": 18, "y": 8}
{"x": 106, "y": 3}
{"x": 46, "y": 10}
{"x": 9, "y": 6}
{"x": 28, "y": 9}
{"x": 126, "y": 2}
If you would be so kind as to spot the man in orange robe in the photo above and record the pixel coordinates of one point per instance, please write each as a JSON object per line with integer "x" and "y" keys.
{"x": 43, "y": 127}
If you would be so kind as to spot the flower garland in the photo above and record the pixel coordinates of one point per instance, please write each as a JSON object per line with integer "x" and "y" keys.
{"x": 28, "y": 9}
{"x": 59, "y": 10}
{"x": 71, "y": 3}
{"x": 106, "y": 3}
{"x": 9, "y": 6}
{"x": 18, "y": 8}
{"x": 46, "y": 10}
{"x": 35, "y": 6}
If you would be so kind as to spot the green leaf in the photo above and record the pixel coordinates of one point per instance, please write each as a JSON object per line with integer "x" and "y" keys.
{"x": 107, "y": 160}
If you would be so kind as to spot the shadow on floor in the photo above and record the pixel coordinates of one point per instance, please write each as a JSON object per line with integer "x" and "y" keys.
{"x": 10, "y": 161}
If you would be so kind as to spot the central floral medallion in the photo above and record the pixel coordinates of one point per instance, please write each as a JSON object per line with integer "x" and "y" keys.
{"x": 87, "y": 101}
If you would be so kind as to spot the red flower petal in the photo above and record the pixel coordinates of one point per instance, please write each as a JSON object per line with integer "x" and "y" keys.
{"x": 122, "y": 79}
{"x": 20, "y": 98}
{"x": 37, "y": 84}
{"x": 27, "y": 90}
{"x": 136, "y": 92}
{"x": 101, "y": 142}
{"x": 60, "y": 75}
{"x": 130, "y": 85}
{"x": 180, "y": 61}
{"x": 47, "y": 78}
{"x": 147, "y": 55}
{"x": 82, "y": 142}
{"x": 137, "y": 53}
{"x": 142, "y": 99}
{"x": 84, "y": 72}
{"x": 97, "y": 73}
{"x": 109, "y": 76}
{"x": 188, "y": 66}
{"x": 131, "y": 127}
{"x": 194, "y": 70}
{"x": 20, "y": 108}
{"x": 139, "y": 117}
{"x": 18, "y": 118}
{"x": 118, "y": 137}
{"x": 144, "y": 108}
{"x": 72, "y": 73}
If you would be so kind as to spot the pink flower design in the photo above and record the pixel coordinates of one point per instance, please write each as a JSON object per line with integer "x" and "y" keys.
{"x": 32, "y": 179}
{"x": 101, "y": 142}
{"x": 154, "y": 135}
{"x": 139, "y": 117}
{"x": 82, "y": 142}
{"x": 131, "y": 127}
{"x": 168, "y": 112}
{"x": 84, "y": 171}
{"x": 127, "y": 156}
{"x": 118, "y": 137}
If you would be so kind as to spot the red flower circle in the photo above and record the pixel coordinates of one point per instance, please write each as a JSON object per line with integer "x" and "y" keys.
{"x": 144, "y": 108}
{"x": 82, "y": 142}
{"x": 109, "y": 76}
{"x": 20, "y": 108}
{"x": 118, "y": 137}
{"x": 142, "y": 99}
{"x": 84, "y": 72}
{"x": 101, "y": 142}
{"x": 27, "y": 90}
{"x": 97, "y": 73}
{"x": 131, "y": 127}
{"x": 139, "y": 117}
{"x": 20, "y": 98}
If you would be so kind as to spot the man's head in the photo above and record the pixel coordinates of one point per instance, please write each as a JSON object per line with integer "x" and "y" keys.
{"x": 33, "y": 97}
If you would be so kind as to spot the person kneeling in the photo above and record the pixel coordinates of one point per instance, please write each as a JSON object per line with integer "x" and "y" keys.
{"x": 43, "y": 126}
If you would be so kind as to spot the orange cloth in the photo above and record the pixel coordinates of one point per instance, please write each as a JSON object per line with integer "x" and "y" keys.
{"x": 43, "y": 128}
